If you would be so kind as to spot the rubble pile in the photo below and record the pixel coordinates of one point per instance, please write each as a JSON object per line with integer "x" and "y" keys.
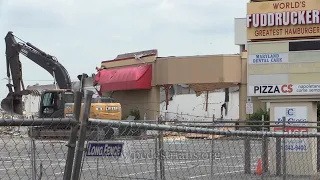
{"x": 12, "y": 130}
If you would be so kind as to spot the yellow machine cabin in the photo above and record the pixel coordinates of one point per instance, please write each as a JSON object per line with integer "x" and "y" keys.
{"x": 101, "y": 108}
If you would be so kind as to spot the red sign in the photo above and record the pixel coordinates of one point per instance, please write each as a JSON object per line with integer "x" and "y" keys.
{"x": 291, "y": 129}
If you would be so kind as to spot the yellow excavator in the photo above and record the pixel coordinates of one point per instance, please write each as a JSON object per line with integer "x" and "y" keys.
{"x": 54, "y": 103}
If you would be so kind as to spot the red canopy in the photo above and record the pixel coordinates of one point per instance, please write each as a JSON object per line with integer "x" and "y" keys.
{"x": 128, "y": 78}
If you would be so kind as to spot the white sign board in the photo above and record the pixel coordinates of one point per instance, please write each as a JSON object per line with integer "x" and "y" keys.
{"x": 293, "y": 114}
{"x": 249, "y": 108}
{"x": 284, "y": 89}
{"x": 268, "y": 58}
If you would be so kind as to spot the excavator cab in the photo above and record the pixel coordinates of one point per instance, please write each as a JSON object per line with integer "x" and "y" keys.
{"x": 53, "y": 102}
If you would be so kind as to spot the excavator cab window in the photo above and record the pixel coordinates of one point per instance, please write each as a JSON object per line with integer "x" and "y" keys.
{"x": 54, "y": 101}
{"x": 47, "y": 99}
{"x": 49, "y": 103}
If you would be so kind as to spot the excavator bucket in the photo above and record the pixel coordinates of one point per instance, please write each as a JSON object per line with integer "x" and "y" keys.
{"x": 13, "y": 102}
{"x": 10, "y": 104}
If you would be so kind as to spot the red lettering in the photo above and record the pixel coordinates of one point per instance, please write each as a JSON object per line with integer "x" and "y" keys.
{"x": 296, "y": 129}
{"x": 286, "y": 88}
{"x": 291, "y": 130}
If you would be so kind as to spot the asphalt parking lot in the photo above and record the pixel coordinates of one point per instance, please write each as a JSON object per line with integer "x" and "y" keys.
{"x": 186, "y": 159}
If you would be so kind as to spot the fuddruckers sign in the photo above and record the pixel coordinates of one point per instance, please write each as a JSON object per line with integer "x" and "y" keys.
{"x": 283, "y": 19}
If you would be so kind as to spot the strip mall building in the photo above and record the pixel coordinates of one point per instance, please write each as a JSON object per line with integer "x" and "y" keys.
{"x": 282, "y": 42}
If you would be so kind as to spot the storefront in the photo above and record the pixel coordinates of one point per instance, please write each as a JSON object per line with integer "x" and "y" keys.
{"x": 283, "y": 68}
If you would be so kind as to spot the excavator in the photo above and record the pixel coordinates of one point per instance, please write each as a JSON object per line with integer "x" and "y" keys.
{"x": 54, "y": 103}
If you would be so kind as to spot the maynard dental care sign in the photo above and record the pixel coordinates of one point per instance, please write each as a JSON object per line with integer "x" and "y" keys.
{"x": 283, "y": 19}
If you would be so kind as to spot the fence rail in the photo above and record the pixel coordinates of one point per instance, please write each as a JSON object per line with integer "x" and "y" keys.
{"x": 154, "y": 149}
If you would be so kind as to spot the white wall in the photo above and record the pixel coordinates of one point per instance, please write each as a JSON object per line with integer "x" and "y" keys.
{"x": 195, "y": 106}
{"x": 31, "y": 104}
{"x": 185, "y": 104}
{"x": 240, "y": 31}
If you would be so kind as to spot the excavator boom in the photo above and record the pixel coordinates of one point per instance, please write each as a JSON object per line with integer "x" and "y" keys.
{"x": 13, "y": 101}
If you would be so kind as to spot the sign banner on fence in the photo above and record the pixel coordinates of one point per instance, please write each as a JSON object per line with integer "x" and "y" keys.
{"x": 104, "y": 148}
{"x": 295, "y": 116}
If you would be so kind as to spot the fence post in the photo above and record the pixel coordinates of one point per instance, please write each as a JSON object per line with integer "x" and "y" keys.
{"x": 318, "y": 147}
{"x": 284, "y": 160}
{"x": 212, "y": 149}
{"x": 278, "y": 156}
{"x": 98, "y": 139}
{"x": 33, "y": 159}
{"x": 161, "y": 153}
{"x": 265, "y": 157}
{"x": 247, "y": 154}
{"x": 73, "y": 136}
{"x": 82, "y": 136}
{"x": 156, "y": 155}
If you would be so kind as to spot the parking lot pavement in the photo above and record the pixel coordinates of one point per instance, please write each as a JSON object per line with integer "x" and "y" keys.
{"x": 137, "y": 161}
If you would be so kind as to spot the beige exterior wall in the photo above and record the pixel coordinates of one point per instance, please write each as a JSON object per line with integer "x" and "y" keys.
{"x": 304, "y": 78}
{"x": 268, "y": 47}
{"x": 218, "y": 69}
{"x": 243, "y": 87}
{"x": 285, "y": 68}
{"x": 257, "y": 104}
{"x": 146, "y": 101}
{"x": 268, "y": 79}
{"x": 304, "y": 56}
{"x": 200, "y": 72}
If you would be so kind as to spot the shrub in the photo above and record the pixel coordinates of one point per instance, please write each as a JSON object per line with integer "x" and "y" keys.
{"x": 257, "y": 116}
{"x": 127, "y": 131}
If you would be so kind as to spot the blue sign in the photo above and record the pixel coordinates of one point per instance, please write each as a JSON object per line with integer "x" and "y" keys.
{"x": 99, "y": 149}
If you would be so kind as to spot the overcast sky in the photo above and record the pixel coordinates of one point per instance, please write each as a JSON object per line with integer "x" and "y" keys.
{"x": 81, "y": 33}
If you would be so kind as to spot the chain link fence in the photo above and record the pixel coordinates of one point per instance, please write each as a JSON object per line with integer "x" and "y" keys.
{"x": 24, "y": 156}
{"x": 160, "y": 151}
{"x": 152, "y": 149}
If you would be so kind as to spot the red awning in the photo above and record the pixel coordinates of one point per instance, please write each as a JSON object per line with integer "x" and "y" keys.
{"x": 128, "y": 78}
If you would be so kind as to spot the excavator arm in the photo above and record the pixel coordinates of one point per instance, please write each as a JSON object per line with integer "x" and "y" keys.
{"x": 13, "y": 101}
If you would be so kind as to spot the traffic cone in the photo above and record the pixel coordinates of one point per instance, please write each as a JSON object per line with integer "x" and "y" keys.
{"x": 259, "y": 167}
